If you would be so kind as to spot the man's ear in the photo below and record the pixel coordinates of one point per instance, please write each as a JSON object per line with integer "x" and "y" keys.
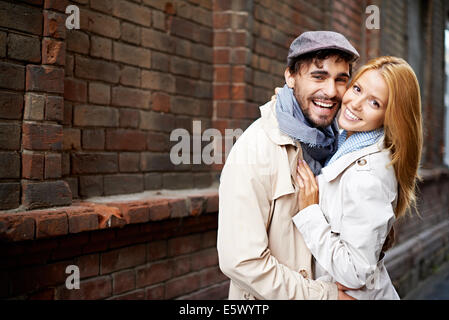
{"x": 289, "y": 79}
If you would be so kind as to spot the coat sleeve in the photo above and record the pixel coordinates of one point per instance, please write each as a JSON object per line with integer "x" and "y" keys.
{"x": 351, "y": 256}
{"x": 242, "y": 242}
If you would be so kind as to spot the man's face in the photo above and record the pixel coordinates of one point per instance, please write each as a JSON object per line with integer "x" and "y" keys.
{"x": 319, "y": 91}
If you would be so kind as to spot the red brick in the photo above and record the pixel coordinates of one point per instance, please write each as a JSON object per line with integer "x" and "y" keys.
{"x": 180, "y": 266}
{"x": 11, "y": 105}
{"x": 222, "y": 92}
{"x": 158, "y": 81}
{"x": 137, "y": 214}
{"x": 52, "y": 166}
{"x": 101, "y": 47}
{"x": 94, "y": 163}
{"x": 131, "y": 97}
{"x": 178, "y": 208}
{"x": 34, "y": 106}
{"x": 183, "y": 245}
{"x": 211, "y": 276}
{"x": 54, "y": 25}
{"x": 16, "y": 227}
{"x": 132, "y": 12}
{"x": 59, "y": 5}
{"x": 156, "y": 292}
{"x": 40, "y": 136}
{"x": 101, "y": 24}
{"x": 91, "y": 289}
{"x": 71, "y": 139}
{"x": 99, "y": 93}
{"x": 9, "y": 195}
{"x": 134, "y": 295}
{"x": 159, "y": 211}
{"x": 130, "y": 76}
{"x": 93, "y": 139}
{"x": 10, "y": 165}
{"x": 153, "y": 273}
{"x": 160, "y": 102}
{"x": 222, "y": 56}
{"x": 131, "y": 33}
{"x": 82, "y": 222}
{"x": 123, "y": 281}
{"x": 95, "y": 116}
{"x": 24, "y": 48}
{"x": 78, "y": 41}
{"x": 53, "y": 52}
{"x": 129, "y": 118}
{"x": 122, "y": 258}
{"x": 156, "y": 250}
{"x": 129, "y": 162}
{"x": 94, "y": 69}
{"x": 51, "y": 225}
{"x": 182, "y": 285}
{"x": 20, "y": 17}
{"x": 158, "y": 40}
{"x": 75, "y": 90}
{"x": 45, "y": 194}
{"x": 136, "y": 56}
{"x": 13, "y": 76}
{"x": 54, "y": 108}
{"x": 44, "y": 78}
{"x": 204, "y": 259}
{"x": 125, "y": 139}
{"x": 157, "y": 142}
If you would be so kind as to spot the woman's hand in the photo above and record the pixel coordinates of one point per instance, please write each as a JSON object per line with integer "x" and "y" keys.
{"x": 308, "y": 186}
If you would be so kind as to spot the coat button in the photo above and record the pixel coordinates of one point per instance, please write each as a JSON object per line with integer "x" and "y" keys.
{"x": 361, "y": 162}
{"x": 303, "y": 273}
{"x": 246, "y": 296}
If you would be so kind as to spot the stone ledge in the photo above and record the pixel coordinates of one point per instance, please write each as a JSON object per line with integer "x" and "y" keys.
{"x": 107, "y": 212}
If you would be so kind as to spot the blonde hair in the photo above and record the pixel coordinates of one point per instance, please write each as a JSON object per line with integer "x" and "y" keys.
{"x": 402, "y": 125}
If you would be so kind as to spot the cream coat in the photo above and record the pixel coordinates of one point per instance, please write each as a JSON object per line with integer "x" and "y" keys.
{"x": 347, "y": 230}
{"x": 259, "y": 247}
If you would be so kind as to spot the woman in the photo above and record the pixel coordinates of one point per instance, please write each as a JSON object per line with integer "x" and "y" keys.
{"x": 368, "y": 183}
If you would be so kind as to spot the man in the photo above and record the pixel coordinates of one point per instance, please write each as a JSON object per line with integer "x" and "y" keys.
{"x": 259, "y": 248}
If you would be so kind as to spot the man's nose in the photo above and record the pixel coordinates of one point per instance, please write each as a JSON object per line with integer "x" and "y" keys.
{"x": 330, "y": 89}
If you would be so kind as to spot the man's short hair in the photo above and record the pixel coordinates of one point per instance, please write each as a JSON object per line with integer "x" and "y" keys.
{"x": 317, "y": 57}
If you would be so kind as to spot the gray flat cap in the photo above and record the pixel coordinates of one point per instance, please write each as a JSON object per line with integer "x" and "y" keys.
{"x": 318, "y": 40}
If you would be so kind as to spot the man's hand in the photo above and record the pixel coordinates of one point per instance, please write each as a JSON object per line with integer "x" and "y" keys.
{"x": 276, "y": 91}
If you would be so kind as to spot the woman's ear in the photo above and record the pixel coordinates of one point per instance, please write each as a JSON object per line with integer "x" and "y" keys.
{"x": 289, "y": 79}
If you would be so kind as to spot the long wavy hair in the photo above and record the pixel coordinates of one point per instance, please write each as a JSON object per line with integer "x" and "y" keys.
{"x": 402, "y": 125}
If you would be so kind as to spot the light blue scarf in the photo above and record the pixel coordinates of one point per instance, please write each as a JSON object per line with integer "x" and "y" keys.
{"x": 357, "y": 141}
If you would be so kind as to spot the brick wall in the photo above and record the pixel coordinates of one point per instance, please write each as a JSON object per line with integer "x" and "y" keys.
{"x": 88, "y": 113}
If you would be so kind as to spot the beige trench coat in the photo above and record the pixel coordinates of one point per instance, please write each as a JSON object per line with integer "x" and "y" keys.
{"x": 259, "y": 247}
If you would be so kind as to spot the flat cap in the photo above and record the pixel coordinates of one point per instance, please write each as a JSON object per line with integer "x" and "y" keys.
{"x": 319, "y": 40}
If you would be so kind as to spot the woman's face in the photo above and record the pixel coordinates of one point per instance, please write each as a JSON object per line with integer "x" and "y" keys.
{"x": 364, "y": 103}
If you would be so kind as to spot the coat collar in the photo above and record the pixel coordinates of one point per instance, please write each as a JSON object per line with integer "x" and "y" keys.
{"x": 334, "y": 169}
{"x": 271, "y": 126}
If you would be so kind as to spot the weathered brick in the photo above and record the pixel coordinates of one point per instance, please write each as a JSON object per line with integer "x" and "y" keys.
{"x": 125, "y": 139}
{"x": 85, "y": 115}
{"x": 152, "y": 273}
{"x": 3, "y": 41}
{"x": 54, "y": 24}
{"x": 131, "y": 33}
{"x": 130, "y": 97}
{"x": 159, "y": 211}
{"x": 71, "y": 139}
{"x": 79, "y": 222}
{"x": 129, "y": 118}
{"x": 41, "y": 136}
{"x": 182, "y": 285}
{"x": 32, "y": 165}
{"x": 59, "y": 5}
{"x": 135, "y": 56}
{"x": 20, "y": 17}
{"x": 123, "y": 281}
{"x": 156, "y": 292}
{"x": 75, "y": 90}
{"x": 13, "y": 76}
{"x": 9, "y": 136}
{"x": 152, "y": 181}
{"x": 45, "y": 194}
{"x": 178, "y": 180}
{"x": 94, "y": 163}
{"x": 24, "y": 48}
{"x": 99, "y": 93}
{"x": 53, "y": 52}
{"x": 93, "y": 139}
{"x": 102, "y": 5}
{"x": 101, "y": 47}
{"x": 44, "y": 78}
{"x": 78, "y": 41}
{"x": 184, "y": 245}
{"x": 129, "y": 162}
{"x": 130, "y": 76}
{"x": 11, "y": 105}
{"x": 52, "y": 166}
{"x": 94, "y": 69}
{"x": 122, "y": 258}
{"x": 123, "y": 184}
{"x": 157, "y": 40}
{"x": 132, "y": 12}
{"x": 16, "y": 227}
{"x": 51, "y": 225}
{"x": 91, "y": 186}
{"x": 54, "y": 108}
{"x": 89, "y": 264}
{"x": 100, "y": 24}
{"x": 90, "y": 289}
{"x": 9, "y": 196}
{"x": 157, "y": 142}
{"x": 34, "y": 106}
{"x": 156, "y": 250}
{"x": 155, "y": 162}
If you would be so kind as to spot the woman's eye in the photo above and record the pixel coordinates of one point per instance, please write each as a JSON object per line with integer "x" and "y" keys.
{"x": 356, "y": 89}
{"x": 375, "y": 104}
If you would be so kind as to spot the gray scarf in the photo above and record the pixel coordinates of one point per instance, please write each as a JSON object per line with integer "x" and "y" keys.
{"x": 319, "y": 144}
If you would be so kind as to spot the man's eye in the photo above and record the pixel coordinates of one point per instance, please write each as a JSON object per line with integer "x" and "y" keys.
{"x": 319, "y": 77}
